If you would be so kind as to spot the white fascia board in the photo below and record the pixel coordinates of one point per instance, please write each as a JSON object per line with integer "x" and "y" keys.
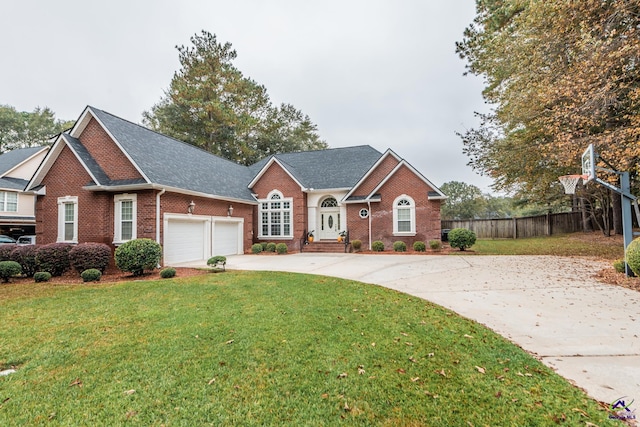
{"x": 387, "y": 153}
{"x": 47, "y": 162}
{"x": 115, "y": 141}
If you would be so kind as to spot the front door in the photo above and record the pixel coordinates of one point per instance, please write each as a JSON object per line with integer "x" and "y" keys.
{"x": 329, "y": 219}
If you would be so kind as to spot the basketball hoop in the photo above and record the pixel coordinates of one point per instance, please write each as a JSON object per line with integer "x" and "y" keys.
{"x": 570, "y": 182}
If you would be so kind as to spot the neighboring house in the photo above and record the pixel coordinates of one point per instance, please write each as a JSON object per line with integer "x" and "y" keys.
{"x": 17, "y": 207}
{"x": 109, "y": 180}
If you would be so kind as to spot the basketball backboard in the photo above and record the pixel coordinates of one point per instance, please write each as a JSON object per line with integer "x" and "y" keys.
{"x": 588, "y": 164}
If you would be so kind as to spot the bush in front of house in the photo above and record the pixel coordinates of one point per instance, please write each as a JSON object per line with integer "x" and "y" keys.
{"x": 461, "y": 238}
{"x": 356, "y": 245}
{"x": 5, "y": 251}
{"x": 271, "y": 247}
{"x": 91, "y": 275}
{"x": 217, "y": 260}
{"x": 256, "y": 248}
{"x": 399, "y": 246}
{"x": 633, "y": 256}
{"x": 377, "y": 246}
{"x": 86, "y": 256}
{"x": 168, "y": 273}
{"x": 435, "y": 244}
{"x": 619, "y": 265}
{"x": 264, "y": 246}
{"x": 8, "y": 269}
{"x": 53, "y": 258}
{"x": 138, "y": 255}
{"x": 26, "y": 257}
{"x": 419, "y": 246}
{"x": 42, "y": 276}
{"x": 281, "y": 248}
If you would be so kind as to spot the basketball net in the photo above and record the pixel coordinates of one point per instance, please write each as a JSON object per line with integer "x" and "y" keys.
{"x": 570, "y": 182}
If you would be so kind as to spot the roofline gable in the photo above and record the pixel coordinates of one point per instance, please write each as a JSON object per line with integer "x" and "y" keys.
{"x": 37, "y": 153}
{"x": 412, "y": 169}
{"x": 266, "y": 167}
{"x": 387, "y": 153}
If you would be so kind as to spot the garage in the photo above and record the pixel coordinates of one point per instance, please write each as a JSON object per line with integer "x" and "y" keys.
{"x": 185, "y": 240}
{"x": 227, "y": 237}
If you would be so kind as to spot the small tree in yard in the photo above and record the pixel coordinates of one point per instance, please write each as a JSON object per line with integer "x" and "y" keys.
{"x": 138, "y": 255}
{"x": 461, "y": 238}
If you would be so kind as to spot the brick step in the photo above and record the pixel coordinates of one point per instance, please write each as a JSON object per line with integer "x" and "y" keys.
{"x": 324, "y": 246}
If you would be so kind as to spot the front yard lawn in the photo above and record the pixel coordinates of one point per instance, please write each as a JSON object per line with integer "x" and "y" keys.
{"x": 255, "y": 348}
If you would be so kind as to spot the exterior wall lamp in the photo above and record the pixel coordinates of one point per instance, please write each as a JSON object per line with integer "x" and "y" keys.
{"x": 230, "y": 211}
{"x": 191, "y": 207}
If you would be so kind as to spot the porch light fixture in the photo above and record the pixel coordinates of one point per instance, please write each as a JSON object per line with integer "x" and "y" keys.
{"x": 191, "y": 207}
{"x": 230, "y": 211}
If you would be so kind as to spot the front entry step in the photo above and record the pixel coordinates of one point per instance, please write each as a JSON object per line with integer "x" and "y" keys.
{"x": 324, "y": 247}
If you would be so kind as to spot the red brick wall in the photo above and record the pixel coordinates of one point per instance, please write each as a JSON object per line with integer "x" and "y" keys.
{"x": 376, "y": 177}
{"x": 108, "y": 155}
{"x": 404, "y": 181}
{"x": 276, "y": 178}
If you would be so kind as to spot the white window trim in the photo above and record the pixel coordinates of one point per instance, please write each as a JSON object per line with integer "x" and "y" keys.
{"x": 412, "y": 212}
{"x": 117, "y": 225}
{"x": 62, "y": 201}
{"x": 4, "y": 202}
{"x": 261, "y": 210}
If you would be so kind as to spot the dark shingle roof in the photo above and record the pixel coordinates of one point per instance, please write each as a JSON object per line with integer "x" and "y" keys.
{"x": 333, "y": 168}
{"x": 7, "y": 183}
{"x": 11, "y": 159}
{"x": 87, "y": 159}
{"x": 167, "y": 161}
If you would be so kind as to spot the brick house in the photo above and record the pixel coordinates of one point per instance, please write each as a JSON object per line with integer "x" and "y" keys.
{"x": 109, "y": 180}
{"x": 17, "y": 207}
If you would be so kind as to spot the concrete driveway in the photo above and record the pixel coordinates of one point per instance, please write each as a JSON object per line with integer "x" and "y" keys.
{"x": 552, "y": 307}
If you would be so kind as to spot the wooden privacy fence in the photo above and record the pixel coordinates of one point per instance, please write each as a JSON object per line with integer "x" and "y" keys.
{"x": 516, "y": 228}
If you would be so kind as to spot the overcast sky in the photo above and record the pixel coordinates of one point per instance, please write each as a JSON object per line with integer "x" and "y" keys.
{"x": 383, "y": 73}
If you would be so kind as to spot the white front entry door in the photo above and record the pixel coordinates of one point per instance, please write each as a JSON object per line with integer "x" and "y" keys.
{"x": 329, "y": 222}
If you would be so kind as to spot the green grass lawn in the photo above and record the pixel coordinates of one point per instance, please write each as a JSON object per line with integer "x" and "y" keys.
{"x": 243, "y": 348}
{"x": 576, "y": 244}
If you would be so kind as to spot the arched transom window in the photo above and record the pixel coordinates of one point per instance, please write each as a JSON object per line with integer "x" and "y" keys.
{"x": 276, "y": 212}
{"x": 404, "y": 216}
{"x": 329, "y": 202}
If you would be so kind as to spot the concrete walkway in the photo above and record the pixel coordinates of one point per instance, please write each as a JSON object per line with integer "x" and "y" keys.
{"x": 552, "y": 307}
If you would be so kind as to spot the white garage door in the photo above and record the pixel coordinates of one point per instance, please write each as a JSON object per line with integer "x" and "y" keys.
{"x": 184, "y": 241}
{"x": 226, "y": 236}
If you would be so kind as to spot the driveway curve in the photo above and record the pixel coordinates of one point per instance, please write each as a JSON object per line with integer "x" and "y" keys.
{"x": 552, "y": 307}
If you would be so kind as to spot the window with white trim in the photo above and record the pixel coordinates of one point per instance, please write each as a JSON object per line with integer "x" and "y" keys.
{"x": 125, "y": 214}
{"x": 8, "y": 201}
{"x": 276, "y": 213}
{"x": 404, "y": 216}
{"x": 68, "y": 219}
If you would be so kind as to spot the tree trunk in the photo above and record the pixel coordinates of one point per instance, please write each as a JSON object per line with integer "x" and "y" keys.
{"x": 616, "y": 202}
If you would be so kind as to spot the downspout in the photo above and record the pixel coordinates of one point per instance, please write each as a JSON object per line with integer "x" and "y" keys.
{"x": 160, "y": 193}
{"x": 369, "y": 205}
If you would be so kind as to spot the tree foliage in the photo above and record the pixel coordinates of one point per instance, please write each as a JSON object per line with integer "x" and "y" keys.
{"x": 210, "y": 104}
{"x": 20, "y": 129}
{"x": 560, "y": 75}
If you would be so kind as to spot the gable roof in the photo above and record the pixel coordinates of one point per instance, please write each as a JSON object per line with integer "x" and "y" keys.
{"x": 11, "y": 160}
{"x": 323, "y": 169}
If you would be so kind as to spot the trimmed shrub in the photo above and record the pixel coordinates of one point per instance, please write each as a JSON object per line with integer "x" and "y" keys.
{"x": 26, "y": 257}
{"x": 53, "y": 258}
{"x": 633, "y": 256}
{"x": 138, "y": 255}
{"x": 42, "y": 276}
{"x": 271, "y": 247}
{"x": 168, "y": 273}
{"x": 399, "y": 246}
{"x": 5, "y": 251}
{"x": 264, "y": 246}
{"x": 419, "y": 246}
{"x": 87, "y": 256}
{"x": 356, "y": 244}
{"x": 461, "y": 238}
{"x": 8, "y": 269}
{"x": 281, "y": 248}
{"x": 619, "y": 265}
{"x": 91, "y": 275}
{"x": 436, "y": 245}
{"x": 377, "y": 246}
{"x": 256, "y": 248}
{"x": 214, "y": 261}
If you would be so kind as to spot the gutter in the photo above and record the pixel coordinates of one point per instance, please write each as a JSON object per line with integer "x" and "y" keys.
{"x": 160, "y": 193}
{"x": 369, "y": 205}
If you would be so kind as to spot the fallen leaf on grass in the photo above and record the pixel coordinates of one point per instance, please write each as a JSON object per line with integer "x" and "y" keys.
{"x": 441, "y": 372}
{"x": 360, "y": 370}
{"x": 401, "y": 371}
{"x": 373, "y": 344}
{"x": 76, "y": 382}
{"x": 435, "y": 396}
{"x": 346, "y": 407}
{"x": 467, "y": 336}
{"x": 343, "y": 375}
{"x": 409, "y": 344}
{"x": 413, "y": 380}
{"x": 131, "y": 414}
{"x": 211, "y": 381}
{"x": 129, "y": 392}
{"x": 413, "y": 359}
{"x": 404, "y": 333}
{"x": 229, "y": 342}
{"x": 325, "y": 395}
{"x": 480, "y": 369}
{"x": 431, "y": 354}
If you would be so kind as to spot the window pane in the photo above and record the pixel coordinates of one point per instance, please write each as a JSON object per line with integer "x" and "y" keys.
{"x": 404, "y": 214}
{"x": 68, "y": 231}
{"x": 127, "y": 230}
{"x": 12, "y": 202}
{"x": 275, "y": 224}
{"x": 127, "y": 210}
{"x": 286, "y": 205}
{"x": 69, "y": 214}
{"x": 265, "y": 223}
{"x": 275, "y": 205}
{"x": 404, "y": 226}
